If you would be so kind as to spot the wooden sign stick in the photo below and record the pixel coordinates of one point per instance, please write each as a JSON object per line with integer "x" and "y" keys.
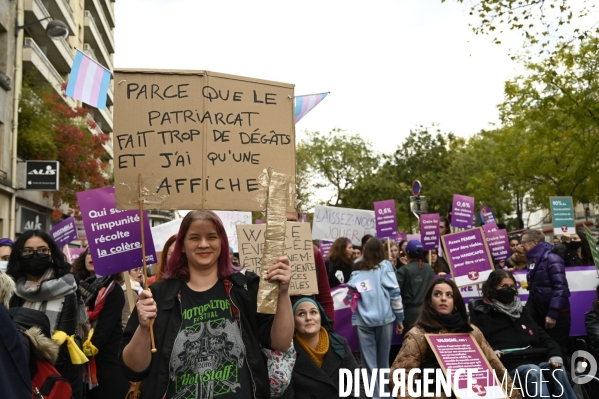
{"x": 143, "y": 254}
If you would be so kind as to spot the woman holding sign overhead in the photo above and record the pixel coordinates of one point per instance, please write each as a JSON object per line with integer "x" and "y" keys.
{"x": 206, "y": 326}
{"x": 443, "y": 312}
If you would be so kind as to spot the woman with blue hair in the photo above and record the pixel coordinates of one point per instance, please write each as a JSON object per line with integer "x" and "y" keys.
{"x": 321, "y": 353}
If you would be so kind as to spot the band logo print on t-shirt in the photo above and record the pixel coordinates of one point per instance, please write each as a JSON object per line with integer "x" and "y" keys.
{"x": 208, "y": 358}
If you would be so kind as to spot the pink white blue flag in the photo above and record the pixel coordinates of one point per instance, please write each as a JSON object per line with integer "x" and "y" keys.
{"x": 88, "y": 81}
{"x": 304, "y": 104}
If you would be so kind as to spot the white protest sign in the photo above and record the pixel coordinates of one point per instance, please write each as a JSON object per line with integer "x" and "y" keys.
{"x": 332, "y": 222}
{"x": 230, "y": 220}
{"x": 163, "y": 232}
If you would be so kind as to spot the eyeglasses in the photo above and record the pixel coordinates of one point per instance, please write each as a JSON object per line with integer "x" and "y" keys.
{"x": 42, "y": 252}
{"x": 527, "y": 241}
{"x": 504, "y": 286}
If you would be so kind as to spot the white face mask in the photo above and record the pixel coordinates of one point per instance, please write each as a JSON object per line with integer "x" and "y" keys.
{"x": 3, "y": 265}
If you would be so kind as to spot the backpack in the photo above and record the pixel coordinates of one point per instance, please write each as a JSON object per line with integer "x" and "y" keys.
{"x": 47, "y": 383}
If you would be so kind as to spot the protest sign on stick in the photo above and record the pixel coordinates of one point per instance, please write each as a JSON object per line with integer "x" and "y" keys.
{"x": 468, "y": 256}
{"x": 200, "y": 138}
{"x": 462, "y": 211}
{"x": 461, "y": 351}
{"x": 562, "y": 214}
{"x": 64, "y": 232}
{"x": 298, "y": 248}
{"x": 497, "y": 241}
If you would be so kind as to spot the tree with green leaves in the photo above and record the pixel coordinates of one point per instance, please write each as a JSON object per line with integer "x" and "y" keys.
{"x": 50, "y": 129}
{"x": 333, "y": 161}
{"x": 551, "y": 122}
{"x": 539, "y": 21}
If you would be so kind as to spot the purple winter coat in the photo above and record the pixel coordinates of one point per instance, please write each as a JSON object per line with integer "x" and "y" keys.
{"x": 547, "y": 282}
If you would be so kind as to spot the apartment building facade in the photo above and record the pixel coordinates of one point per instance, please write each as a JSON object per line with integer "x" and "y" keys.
{"x": 26, "y": 49}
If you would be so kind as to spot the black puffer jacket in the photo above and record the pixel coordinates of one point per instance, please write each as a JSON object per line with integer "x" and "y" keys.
{"x": 501, "y": 332}
{"x": 255, "y": 329}
{"x": 591, "y": 322}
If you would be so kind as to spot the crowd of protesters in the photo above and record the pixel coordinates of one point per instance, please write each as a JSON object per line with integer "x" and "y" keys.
{"x": 199, "y": 310}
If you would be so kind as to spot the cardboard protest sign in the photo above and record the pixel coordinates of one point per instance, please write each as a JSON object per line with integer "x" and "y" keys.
{"x": 461, "y": 351}
{"x": 64, "y": 232}
{"x": 325, "y": 247}
{"x": 468, "y": 257}
{"x": 385, "y": 219}
{"x": 497, "y": 241}
{"x": 562, "y": 214}
{"x": 200, "y": 139}
{"x": 114, "y": 236}
{"x": 230, "y": 220}
{"x": 331, "y": 222}
{"x": 487, "y": 215}
{"x": 593, "y": 245}
{"x": 429, "y": 230}
{"x": 462, "y": 211}
{"x": 298, "y": 247}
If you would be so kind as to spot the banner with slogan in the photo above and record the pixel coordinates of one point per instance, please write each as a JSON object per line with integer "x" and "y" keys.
{"x": 468, "y": 256}
{"x": 331, "y": 222}
{"x": 581, "y": 280}
{"x": 497, "y": 241}
{"x": 593, "y": 245}
{"x": 200, "y": 139}
{"x": 562, "y": 214}
{"x": 462, "y": 211}
{"x": 429, "y": 230}
{"x": 230, "y": 220}
{"x": 298, "y": 248}
{"x": 385, "y": 219}
{"x": 114, "y": 236}
{"x": 64, "y": 232}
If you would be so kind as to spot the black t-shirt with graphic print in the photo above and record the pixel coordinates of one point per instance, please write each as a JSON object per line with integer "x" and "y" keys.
{"x": 208, "y": 358}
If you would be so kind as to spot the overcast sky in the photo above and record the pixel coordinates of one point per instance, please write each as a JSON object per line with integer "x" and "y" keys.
{"x": 390, "y": 65}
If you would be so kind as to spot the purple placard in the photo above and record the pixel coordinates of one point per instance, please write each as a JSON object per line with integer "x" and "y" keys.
{"x": 429, "y": 230}
{"x": 325, "y": 247}
{"x": 258, "y": 221}
{"x": 73, "y": 253}
{"x": 497, "y": 241}
{"x": 114, "y": 236}
{"x": 468, "y": 257}
{"x": 460, "y": 351}
{"x": 399, "y": 237}
{"x": 385, "y": 219}
{"x": 304, "y": 218}
{"x": 462, "y": 215}
{"x": 64, "y": 232}
{"x": 487, "y": 215}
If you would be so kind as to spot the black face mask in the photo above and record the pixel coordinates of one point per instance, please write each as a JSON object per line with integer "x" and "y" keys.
{"x": 506, "y": 295}
{"x": 574, "y": 245}
{"x": 35, "y": 265}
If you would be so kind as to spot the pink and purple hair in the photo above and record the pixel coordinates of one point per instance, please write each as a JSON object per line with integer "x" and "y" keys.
{"x": 177, "y": 266}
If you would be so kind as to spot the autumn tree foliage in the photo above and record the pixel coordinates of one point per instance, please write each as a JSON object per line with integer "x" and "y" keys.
{"x": 49, "y": 129}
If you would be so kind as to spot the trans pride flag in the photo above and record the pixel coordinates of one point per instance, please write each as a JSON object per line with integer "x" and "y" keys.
{"x": 304, "y": 104}
{"x": 88, "y": 81}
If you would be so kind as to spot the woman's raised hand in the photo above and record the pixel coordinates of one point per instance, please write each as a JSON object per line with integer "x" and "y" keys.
{"x": 281, "y": 272}
{"x": 146, "y": 309}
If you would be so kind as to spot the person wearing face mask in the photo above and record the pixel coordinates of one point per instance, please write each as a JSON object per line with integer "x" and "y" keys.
{"x": 6, "y": 245}
{"x": 44, "y": 283}
{"x": 575, "y": 249}
{"x": 443, "y": 312}
{"x": 506, "y": 324}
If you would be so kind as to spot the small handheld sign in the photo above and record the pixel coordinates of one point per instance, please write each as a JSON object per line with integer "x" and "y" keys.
{"x": 416, "y": 188}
